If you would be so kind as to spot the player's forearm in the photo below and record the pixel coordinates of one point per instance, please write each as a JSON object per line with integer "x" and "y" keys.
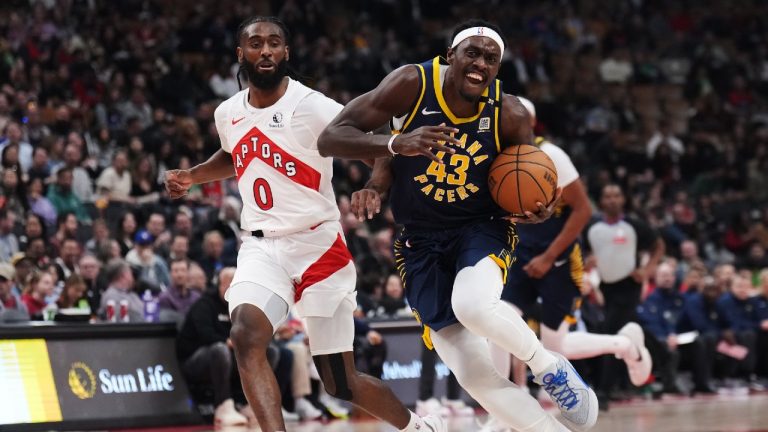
{"x": 381, "y": 176}
{"x": 348, "y": 142}
{"x": 576, "y": 222}
{"x": 217, "y": 167}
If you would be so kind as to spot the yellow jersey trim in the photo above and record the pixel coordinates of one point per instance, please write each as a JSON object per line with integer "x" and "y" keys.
{"x": 496, "y": 118}
{"x": 441, "y": 100}
{"x": 418, "y": 102}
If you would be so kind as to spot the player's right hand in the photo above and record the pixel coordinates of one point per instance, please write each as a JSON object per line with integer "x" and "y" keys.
{"x": 178, "y": 182}
{"x": 365, "y": 202}
{"x": 422, "y": 141}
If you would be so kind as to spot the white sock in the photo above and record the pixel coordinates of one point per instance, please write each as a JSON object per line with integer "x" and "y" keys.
{"x": 469, "y": 357}
{"x": 415, "y": 424}
{"x": 477, "y": 306}
{"x": 581, "y": 345}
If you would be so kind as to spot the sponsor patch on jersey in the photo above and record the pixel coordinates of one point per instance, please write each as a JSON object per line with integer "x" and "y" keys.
{"x": 277, "y": 120}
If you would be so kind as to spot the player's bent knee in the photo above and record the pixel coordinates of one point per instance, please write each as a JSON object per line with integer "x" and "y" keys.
{"x": 250, "y": 330}
{"x": 333, "y": 375}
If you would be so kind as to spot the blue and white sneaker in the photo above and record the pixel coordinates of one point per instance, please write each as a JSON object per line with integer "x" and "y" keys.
{"x": 576, "y": 401}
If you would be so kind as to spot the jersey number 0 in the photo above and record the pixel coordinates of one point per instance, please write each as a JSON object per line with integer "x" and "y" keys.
{"x": 262, "y": 193}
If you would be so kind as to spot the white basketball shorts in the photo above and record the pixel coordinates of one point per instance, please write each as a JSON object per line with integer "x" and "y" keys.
{"x": 312, "y": 269}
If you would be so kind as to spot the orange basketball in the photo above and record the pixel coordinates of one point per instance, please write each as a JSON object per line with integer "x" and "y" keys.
{"x": 521, "y": 176}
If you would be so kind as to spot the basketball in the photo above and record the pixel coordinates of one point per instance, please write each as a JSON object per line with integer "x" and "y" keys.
{"x": 521, "y": 176}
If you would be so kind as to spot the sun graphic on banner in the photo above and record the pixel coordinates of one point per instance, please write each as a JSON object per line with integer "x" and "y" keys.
{"x": 82, "y": 381}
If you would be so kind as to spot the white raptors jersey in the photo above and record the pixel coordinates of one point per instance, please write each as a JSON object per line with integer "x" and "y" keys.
{"x": 284, "y": 182}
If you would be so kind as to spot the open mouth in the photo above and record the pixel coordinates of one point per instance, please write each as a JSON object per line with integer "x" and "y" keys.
{"x": 266, "y": 66}
{"x": 475, "y": 78}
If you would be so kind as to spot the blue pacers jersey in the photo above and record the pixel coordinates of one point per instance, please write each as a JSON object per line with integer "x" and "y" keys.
{"x": 536, "y": 238}
{"x": 428, "y": 195}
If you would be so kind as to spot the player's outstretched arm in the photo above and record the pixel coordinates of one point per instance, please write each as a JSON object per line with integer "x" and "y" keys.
{"x": 346, "y": 137}
{"x": 217, "y": 167}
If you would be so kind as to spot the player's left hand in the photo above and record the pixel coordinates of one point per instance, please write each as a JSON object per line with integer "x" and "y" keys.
{"x": 538, "y": 266}
{"x": 544, "y": 213}
{"x": 365, "y": 202}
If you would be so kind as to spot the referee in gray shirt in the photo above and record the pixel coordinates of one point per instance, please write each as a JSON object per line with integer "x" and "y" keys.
{"x": 616, "y": 241}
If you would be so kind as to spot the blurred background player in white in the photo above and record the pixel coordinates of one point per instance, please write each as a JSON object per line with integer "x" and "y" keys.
{"x": 296, "y": 251}
{"x": 549, "y": 267}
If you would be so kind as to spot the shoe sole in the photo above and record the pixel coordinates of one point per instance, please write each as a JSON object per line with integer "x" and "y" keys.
{"x": 635, "y": 334}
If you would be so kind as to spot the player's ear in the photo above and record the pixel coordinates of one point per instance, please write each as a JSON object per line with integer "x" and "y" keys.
{"x": 287, "y": 53}
{"x": 239, "y": 53}
{"x": 449, "y": 55}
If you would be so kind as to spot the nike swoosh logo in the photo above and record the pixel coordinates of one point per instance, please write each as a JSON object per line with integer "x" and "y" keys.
{"x": 559, "y": 263}
{"x": 234, "y": 122}
{"x": 425, "y": 112}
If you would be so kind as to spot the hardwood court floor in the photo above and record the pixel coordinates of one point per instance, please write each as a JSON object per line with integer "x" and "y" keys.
{"x": 700, "y": 414}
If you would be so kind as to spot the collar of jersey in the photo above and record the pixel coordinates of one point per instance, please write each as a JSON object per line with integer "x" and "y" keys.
{"x": 438, "y": 86}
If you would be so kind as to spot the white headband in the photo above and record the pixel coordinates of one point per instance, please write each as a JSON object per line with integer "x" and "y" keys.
{"x": 478, "y": 31}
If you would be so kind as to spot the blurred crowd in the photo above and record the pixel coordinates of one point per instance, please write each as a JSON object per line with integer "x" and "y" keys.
{"x": 98, "y": 99}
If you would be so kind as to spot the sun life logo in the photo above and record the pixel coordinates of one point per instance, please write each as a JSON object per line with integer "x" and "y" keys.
{"x": 82, "y": 381}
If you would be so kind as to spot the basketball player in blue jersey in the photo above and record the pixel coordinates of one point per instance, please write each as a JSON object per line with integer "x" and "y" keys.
{"x": 549, "y": 266}
{"x": 449, "y": 122}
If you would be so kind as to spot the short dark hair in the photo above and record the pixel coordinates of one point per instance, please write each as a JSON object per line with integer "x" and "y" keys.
{"x": 475, "y": 22}
{"x": 260, "y": 18}
{"x": 115, "y": 269}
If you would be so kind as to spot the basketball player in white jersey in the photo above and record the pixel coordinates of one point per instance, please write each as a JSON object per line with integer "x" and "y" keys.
{"x": 296, "y": 253}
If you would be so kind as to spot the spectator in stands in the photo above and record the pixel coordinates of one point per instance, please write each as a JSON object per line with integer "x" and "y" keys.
{"x": 114, "y": 183}
{"x": 741, "y": 314}
{"x": 179, "y": 297}
{"x": 39, "y": 286}
{"x": 14, "y": 137}
{"x": 702, "y": 314}
{"x": 145, "y": 189}
{"x": 156, "y": 226}
{"x": 198, "y": 280}
{"x": 67, "y": 227}
{"x": 121, "y": 281}
{"x": 152, "y": 267}
{"x": 74, "y": 294}
{"x": 689, "y": 258}
{"x": 393, "y": 300}
{"x": 82, "y": 184}
{"x": 659, "y": 316}
{"x": 126, "y": 230}
{"x": 64, "y": 199}
{"x": 41, "y": 167}
{"x": 39, "y": 204}
{"x": 205, "y": 351}
{"x": 9, "y": 243}
{"x": 100, "y": 235}
{"x": 369, "y": 348}
{"x": 179, "y": 247}
{"x": 183, "y": 225}
{"x": 213, "y": 248}
{"x": 66, "y": 262}
{"x": 13, "y": 192}
{"x": 90, "y": 267}
{"x": 10, "y": 301}
{"x": 34, "y": 227}
{"x": 23, "y": 265}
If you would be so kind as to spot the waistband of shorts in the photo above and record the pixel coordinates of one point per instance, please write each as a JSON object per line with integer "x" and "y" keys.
{"x": 267, "y": 232}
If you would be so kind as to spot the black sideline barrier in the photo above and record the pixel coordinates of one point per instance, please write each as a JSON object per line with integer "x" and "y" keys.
{"x": 76, "y": 376}
{"x": 90, "y": 376}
